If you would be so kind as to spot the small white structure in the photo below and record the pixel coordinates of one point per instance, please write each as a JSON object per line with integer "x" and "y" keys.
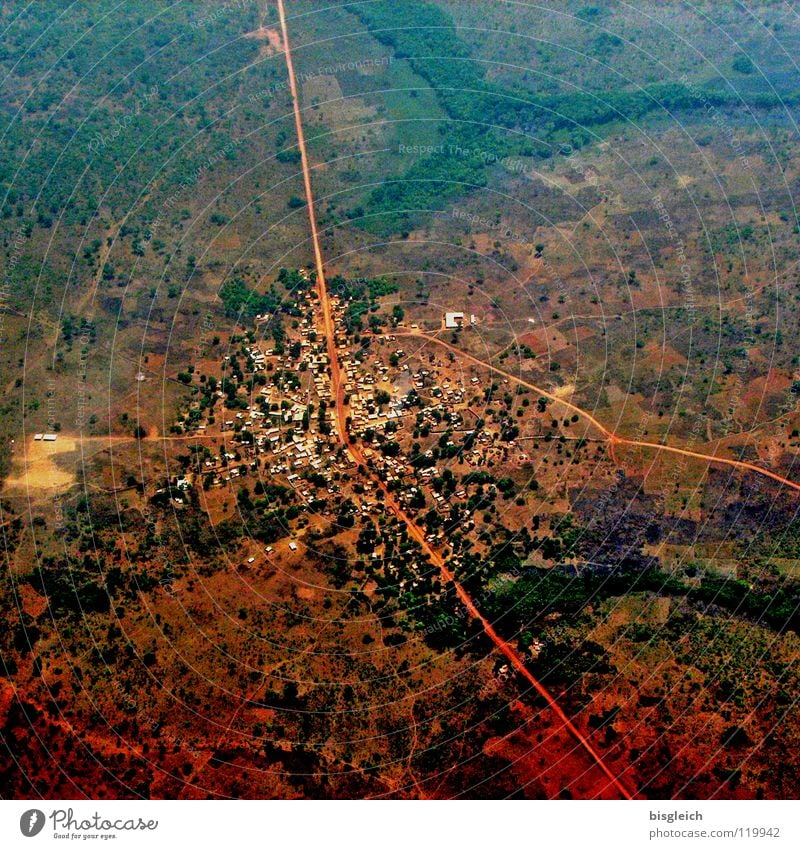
{"x": 50, "y": 437}
{"x": 37, "y": 437}
{"x": 293, "y": 546}
{"x": 453, "y": 319}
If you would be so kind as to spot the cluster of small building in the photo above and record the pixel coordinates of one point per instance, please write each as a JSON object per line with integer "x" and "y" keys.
{"x": 388, "y": 395}
{"x": 454, "y": 320}
{"x": 279, "y": 431}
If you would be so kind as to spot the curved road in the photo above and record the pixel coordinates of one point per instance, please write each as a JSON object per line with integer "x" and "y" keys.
{"x": 414, "y": 530}
{"x": 612, "y": 437}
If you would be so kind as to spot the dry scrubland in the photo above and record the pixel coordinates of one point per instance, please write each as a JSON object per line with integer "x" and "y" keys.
{"x": 637, "y": 263}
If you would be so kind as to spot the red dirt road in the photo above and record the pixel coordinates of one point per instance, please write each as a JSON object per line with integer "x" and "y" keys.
{"x": 414, "y": 530}
{"x": 328, "y": 324}
{"x": 613, "y": 438}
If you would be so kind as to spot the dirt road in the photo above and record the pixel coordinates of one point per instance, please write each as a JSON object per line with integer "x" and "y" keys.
{"x": 612, "y": 437}
{"x": 413, "y": 529}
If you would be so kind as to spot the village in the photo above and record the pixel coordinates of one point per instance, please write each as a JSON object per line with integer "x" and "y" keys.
{"x": 452, "y": 443}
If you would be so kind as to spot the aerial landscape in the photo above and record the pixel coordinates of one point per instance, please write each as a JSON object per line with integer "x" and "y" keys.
{"x": 400, "y": 400}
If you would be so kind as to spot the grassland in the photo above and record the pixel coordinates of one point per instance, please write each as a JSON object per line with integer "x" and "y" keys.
{"x": 609, "y": 190}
